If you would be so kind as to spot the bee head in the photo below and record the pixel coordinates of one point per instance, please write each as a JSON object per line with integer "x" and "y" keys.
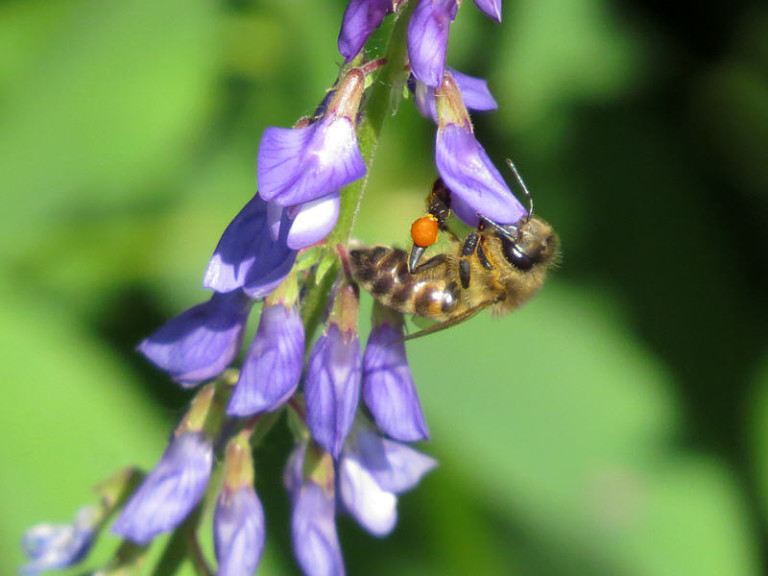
{"x": 529, "y": 243}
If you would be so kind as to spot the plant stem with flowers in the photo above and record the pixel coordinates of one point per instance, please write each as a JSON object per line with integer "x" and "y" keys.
{"x": 281, "y": 248}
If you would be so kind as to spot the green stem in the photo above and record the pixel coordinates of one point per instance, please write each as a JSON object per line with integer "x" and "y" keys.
{"x": 384, "y": 94}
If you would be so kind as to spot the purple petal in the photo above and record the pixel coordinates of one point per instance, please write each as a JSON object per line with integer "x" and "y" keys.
{"x": 313, "y": 222}
{"x": 56, "y": 546}
{"x": 332, "y": 388}
{"x": 424, "y": 98}
{"x": 396, "y": 467}
{"x": 491, "y": 8}
{"x": 170, "y": 492}
{"x": 428, "y": 39}
{"x": 247, "y": 256}
{"x": 472, "y": 177}
{"x": 374, "y": 508}
{"x": 388, "y": 389}
{"x": 200, "y": 343}
{"x": 361, "y": 18}
{"x": 272, "y": 367}
{"x": 303, "y": 164}
{"x": 238, "y": 532}
{"x": 474, "y": 92}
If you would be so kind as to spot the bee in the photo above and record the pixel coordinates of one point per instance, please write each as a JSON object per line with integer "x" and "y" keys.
{"x": 496, "y": 266}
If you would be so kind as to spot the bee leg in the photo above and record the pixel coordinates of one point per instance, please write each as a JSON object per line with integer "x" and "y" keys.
{"x": 482, "y": 256}
{"x": 469, "y": 248}
{"x": 438, "y": 260}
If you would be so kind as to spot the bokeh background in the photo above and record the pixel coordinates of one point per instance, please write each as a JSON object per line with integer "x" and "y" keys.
{"x": 618, "y": 425}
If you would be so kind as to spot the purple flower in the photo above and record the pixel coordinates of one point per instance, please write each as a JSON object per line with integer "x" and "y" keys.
{"x": 332, "y": 387}
{"x": 491, "y": 8}
{"x": 238, "y": 531}
{"x": 361, "y": 18}
{"x": 200, "y": 343}
{"x": 475, "y": 182}
{"x": 396, "y": 467}
{"x": 298, "y": 165}
{"x": 171, "y": 490}
{"x": 55, "y": 546}
{"x": 474, "y": 92}
{"x": 247, "y": 256}
{"x": 313, "y": 521}
{"x": 428, "y": 39}
{"x": 372, "y": 471}
{"x": 307, "y": 223}
{"x": 272, "y": 367}
{"x": 388, "y": 389}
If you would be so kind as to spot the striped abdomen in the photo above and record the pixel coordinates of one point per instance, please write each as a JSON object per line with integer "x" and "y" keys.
{"x": 384, "y": 273}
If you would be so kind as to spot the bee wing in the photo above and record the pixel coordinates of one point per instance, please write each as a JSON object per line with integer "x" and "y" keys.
{"x": 466, "y": 315}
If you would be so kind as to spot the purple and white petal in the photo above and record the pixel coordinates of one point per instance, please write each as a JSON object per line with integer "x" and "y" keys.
{"x": 361, "y": 18}
{"x": 200, "y": 343}
{"x": 427, "y": 39}
{"x": 238, "y": 532}
{"x": 303, "y": 164}
{"x": 491, "y": 8}
{"x": 374, "y": 508}
{"x": 247, "y": 255}
{"x": 170, "y": 492}
{"x": 396, "y": 467}
{"x": 56, "y": 546}
{"x": 388, "y": 389}
{"x": 272, "y": 367}
{"x": 470, "y": 175}
{"x": 332, "y": 388}
{"x": 313, "y": 221}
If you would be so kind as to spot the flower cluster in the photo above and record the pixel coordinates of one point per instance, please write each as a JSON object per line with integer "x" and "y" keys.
{"x": 347, "y": 458}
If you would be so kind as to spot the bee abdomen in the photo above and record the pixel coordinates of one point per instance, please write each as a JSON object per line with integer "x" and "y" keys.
{"x": 384, "y": 273}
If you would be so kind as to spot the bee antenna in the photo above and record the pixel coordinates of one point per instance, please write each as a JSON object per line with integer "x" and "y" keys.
{"x": 522, "y": 185}
{"x": 485, "y": 221}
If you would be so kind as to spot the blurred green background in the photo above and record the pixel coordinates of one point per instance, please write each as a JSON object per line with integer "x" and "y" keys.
{"x": 618, "y": 425}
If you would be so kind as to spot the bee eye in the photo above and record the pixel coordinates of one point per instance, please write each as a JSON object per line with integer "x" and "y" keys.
{"x": 516, "y": 255}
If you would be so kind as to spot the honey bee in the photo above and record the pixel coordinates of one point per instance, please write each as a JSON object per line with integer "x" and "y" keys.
{"x": 497, "y": 267}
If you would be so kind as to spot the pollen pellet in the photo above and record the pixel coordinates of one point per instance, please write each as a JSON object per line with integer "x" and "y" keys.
{"x": 424, "y": 231}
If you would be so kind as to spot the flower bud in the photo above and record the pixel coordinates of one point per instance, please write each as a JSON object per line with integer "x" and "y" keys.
{"x": 309, "y": 477}
{"x": 388, "y": 389}
{"x": 200, "y": 343}
{"x": 428, "y": 31}
{"x": 170, "y": 491}
{"x": 332, "y": 386}
{"x": 56, "y": 546}
{"x": 238, "y": 522}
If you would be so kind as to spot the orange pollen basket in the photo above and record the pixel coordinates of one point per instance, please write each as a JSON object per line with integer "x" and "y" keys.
{"x": 424, "y": 231}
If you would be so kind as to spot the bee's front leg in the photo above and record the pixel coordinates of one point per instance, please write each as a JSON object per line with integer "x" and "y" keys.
{"x": 469, "y": 248}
